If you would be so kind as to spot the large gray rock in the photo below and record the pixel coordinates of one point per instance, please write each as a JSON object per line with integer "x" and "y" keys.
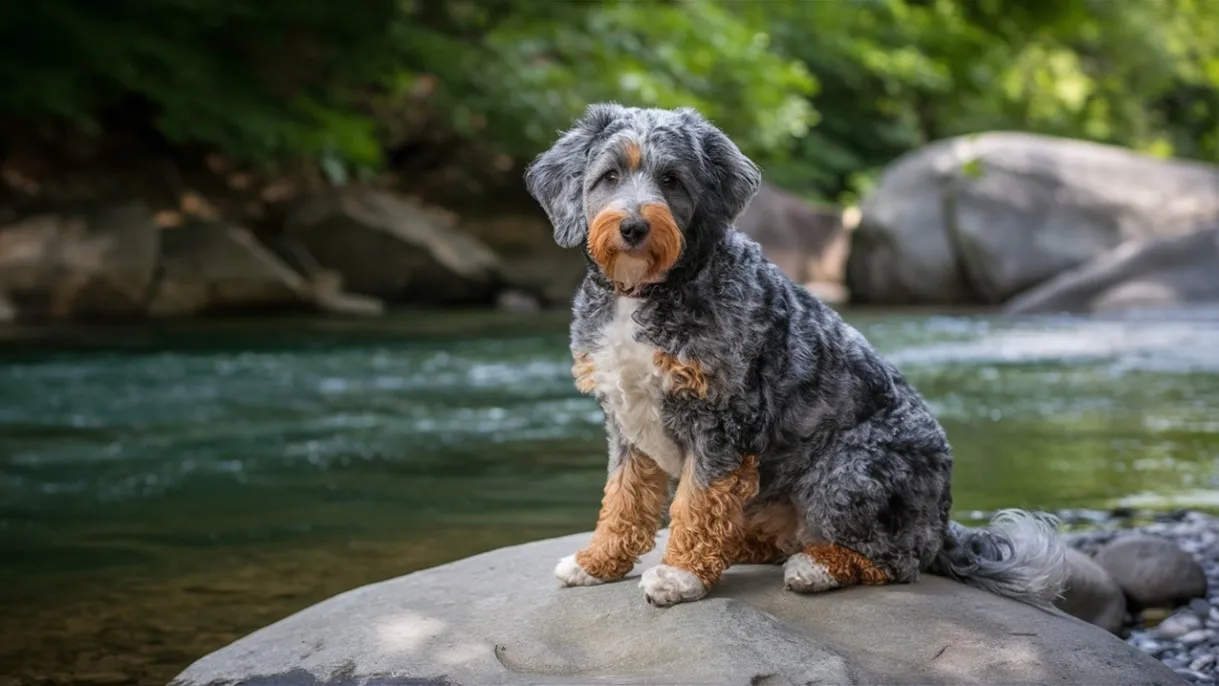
{"x": 388, "y": 247}
{"x": 977, "y": 219}
{"x": 533, "y": 263}
{"x": 80, "y": 263}
{"x": 810, "y": 243}
{"x": 217, "y": 268}
{"x": 501, "y": 618}
{"x": 1091, "y": 594}
{"x": 1153, "y": 571}
{"x": 1159, "y": 272}
{"x": 8, "y": 313}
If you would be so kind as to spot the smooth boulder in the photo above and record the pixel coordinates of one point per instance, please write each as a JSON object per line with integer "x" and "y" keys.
{"x": 1153, "y": 571}
{"x": 388, "y": 247}
{"x": 220, "y": 268}
{"x": 95, "y": 262}
{"x": 810, "y": 243}
{"x": 501, "y": 618}
{"x": 978, "y": 219}
{"x": 1091, "y": 594}
{"x": 1171, "y": 271}
{"x": 534, "y": 264}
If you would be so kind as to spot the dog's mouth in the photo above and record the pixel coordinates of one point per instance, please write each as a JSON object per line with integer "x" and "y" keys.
{"x": 634, "y": 250}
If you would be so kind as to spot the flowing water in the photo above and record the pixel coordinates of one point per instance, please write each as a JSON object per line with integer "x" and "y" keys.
{"x": 165, "y": 491}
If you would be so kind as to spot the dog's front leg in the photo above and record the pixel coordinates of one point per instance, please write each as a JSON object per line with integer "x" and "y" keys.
{"x": 706, "y": 530}
{"x": 631, "y": 510}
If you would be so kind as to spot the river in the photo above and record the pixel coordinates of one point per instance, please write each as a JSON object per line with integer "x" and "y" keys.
{"x": 165, "y": 490}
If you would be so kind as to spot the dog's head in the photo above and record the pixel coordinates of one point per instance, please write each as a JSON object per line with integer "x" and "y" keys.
{"x": 640, "y": 187}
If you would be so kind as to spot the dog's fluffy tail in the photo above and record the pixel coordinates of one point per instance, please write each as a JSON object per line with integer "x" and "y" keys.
{"x": 1019, "y": 555}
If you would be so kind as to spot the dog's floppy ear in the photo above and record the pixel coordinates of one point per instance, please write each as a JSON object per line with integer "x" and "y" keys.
{"x": 735, "y": 178}
{"x": 556, "y": 177}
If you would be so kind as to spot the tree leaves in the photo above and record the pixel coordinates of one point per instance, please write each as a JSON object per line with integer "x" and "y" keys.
{"x": 822, "y": 94}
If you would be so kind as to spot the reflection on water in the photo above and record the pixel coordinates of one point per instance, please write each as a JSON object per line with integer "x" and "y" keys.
{"x": 164, "y": 492}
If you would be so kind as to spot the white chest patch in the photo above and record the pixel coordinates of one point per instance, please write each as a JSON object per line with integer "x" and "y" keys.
{"x": 632, "y": 387}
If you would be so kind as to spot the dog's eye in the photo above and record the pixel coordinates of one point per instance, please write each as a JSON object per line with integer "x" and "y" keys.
{"x": 611, "y": 176}
{"x": 669, "y": 181}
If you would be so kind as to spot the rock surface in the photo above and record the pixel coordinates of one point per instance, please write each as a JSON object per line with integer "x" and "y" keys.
{"x": 387, "y": 247}
{"x": 215, "y": 267}
{"x": 1093, "y": 595}
{"x": 533, "y": 263}
{"x": 96, "y": 262}
{"x": 809, "y": 243}
{"x": 977, "y": 219}
{"x": 501, "y": 618}
{"x": 1160, "y": 272}
{"x": 1153, "y": 571}
{"x": 8, "y": 313}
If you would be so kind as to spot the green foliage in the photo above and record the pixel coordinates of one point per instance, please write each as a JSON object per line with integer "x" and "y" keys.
{"x": 262, "y": 79}
{"x": 822, "y": 93}
{"x": 526, "y": 77}
{"x": 898, "y": 73}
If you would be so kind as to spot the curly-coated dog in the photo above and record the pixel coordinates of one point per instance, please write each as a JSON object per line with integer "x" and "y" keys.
{"x": 793, "y": 441}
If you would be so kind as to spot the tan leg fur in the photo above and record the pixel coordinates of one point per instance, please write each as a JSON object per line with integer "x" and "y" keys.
{"x": 631, "y": 510}
{"x": 707, "y": 524}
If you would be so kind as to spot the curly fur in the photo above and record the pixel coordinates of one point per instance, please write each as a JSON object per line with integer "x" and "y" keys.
{"x": 705, "y": 352}
{"x": 631, "y": 510}
{"x": 708, "y": 523}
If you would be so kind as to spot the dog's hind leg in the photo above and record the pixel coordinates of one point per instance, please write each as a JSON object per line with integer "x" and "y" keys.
{"x": 874, "y": 510}
{"x": 770, "y": 535}
{"x": 826, "y": 566}
{"x": 706, "y": 531}
{"x": 631, "y": 510}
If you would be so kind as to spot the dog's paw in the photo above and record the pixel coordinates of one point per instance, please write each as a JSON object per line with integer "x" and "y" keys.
{"x": 803, "y": 575}
{"x": 572, "y": 574}
{"x": 664, "y": 586}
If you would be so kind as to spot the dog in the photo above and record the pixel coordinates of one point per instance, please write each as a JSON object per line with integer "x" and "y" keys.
{"x": 779, "y": 433}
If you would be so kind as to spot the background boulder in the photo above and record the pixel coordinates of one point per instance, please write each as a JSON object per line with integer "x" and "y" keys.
{"x": 386, "y": 246}
{"x": 1157, "y": 272}
{"x": 1153, "y": 571}
{"x": 977, "y": 219}
{"x": 810, "y": 243}
{"x": 1091, "y": 594}
{"x": 216, "y": 267}
{"x": 80, "y": 263}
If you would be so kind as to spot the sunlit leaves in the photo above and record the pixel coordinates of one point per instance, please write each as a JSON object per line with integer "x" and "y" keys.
{"x": 823, "y": 93}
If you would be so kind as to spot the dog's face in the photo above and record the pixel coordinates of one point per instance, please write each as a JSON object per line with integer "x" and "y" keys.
{"x": 639, "y": 187}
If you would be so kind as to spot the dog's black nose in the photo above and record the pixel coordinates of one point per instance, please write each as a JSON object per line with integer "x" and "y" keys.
{"x": 633, "y": 229}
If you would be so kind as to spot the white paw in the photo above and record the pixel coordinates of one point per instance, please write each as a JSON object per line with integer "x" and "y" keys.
{"x": 664, "y": 586}
{"x": 802, "y": 575}
{"x": 572, "y": 574}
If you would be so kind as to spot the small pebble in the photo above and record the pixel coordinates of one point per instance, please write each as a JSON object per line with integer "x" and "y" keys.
{"x": 1200, "y": 607}
{"x": 1196, "y": 637}
{"x": 1195, "y": 677}
{"x": 1148, "y": 646}
{"x": 1177, "y": 626}
{"x": 1203, "y": 663}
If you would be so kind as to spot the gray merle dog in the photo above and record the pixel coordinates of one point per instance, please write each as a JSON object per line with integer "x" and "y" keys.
{"x": 791, "y": 439}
